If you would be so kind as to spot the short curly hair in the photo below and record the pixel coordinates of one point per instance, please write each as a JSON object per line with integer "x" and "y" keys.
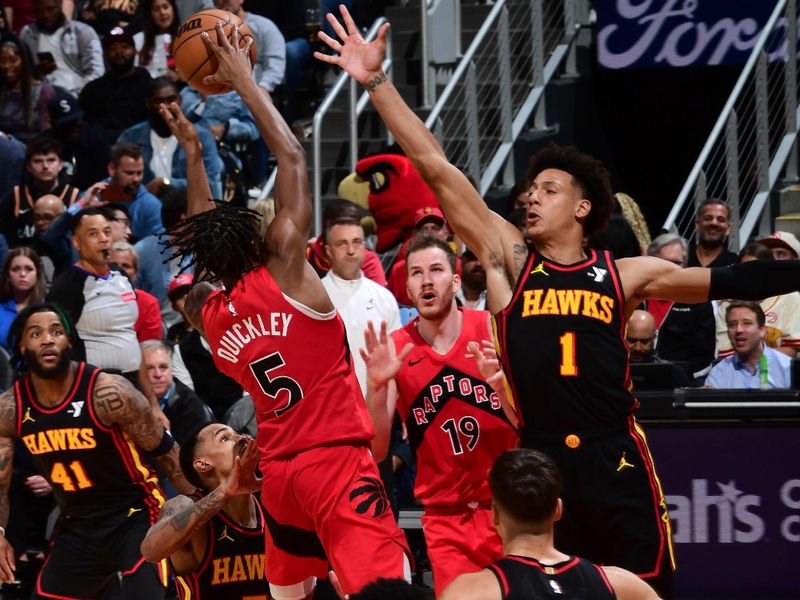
{"x": 588, "y": 173}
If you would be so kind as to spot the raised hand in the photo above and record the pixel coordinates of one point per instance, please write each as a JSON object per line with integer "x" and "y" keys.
{"x": 179, "y": 125}
{"x": 382, "y": 362}
{"x": 234, "y": 62}
{"x": 488, "y": 364}
{"x": 362, "y": 60}
{"x": 242, "y": 479}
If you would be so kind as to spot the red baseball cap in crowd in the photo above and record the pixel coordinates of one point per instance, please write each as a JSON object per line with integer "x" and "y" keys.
{"x": 179, "y": 286}
{"x": 429, "y": 213}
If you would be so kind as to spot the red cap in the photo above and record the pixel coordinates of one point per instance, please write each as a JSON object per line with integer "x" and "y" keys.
{"x": 429, "y": 212}
{"x": 180, "y": 285}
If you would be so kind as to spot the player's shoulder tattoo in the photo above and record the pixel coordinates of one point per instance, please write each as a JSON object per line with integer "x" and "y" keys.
{"x": 520, "y": 256}
{"x": 8, "y": 407}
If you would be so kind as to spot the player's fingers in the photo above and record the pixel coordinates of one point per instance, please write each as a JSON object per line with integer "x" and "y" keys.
{"x": 381, "y": 37}
{"x": 474, "y": 349}
{"x": 405, "y": 352}
{"x": 332, "y": 43}
{"x": 7, "y": 566}
{"x": 364, "y": 355}
{"x": 337, "y": 585}
{"x": 384, "y": 335}
{"x": 348, "y": 20}
{"x": 234, "y": 37}
{"x": 222, "y": 39}
{"x": 337, "y": 26}
{"x": 210, "y": 46}
{"x": 246, "y": 49}
{"x": 328, "y": 58}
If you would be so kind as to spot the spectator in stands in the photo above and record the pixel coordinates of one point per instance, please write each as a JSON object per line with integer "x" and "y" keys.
{"x": 120, "y": 218}
{"x": 43, "y": 165}
{"x": 12, "y": 162}
{"x": 124, "y": 185}
{"x": 23, "y": 97}
{"x": 783, "y": 245}
{"x": 176, "y": 292}
{"x": 21, "y": 285}
{"x": 782, "y": 313}
{"x": 148, "y": 325}
{"x": 641, "y": 337}
{"x": 270, "y": 47}
{"x": 357, "y": 299}
{"x": 712, "y": 225}
{"x": 68, "y": 53}
{"x": 55, "y": 254}
{"x": 184, "y": 409}
{"x": 84, "y": 146}
{"x": 685, "y": 331}
{"x": 164, "y": 158}
{"x": 225, "y": 116}
{"x": 472, "y": 292}
{"x": 753, "y": 364}
{"x": 618, "y": 236}
{"x": 341, "y": 209}
{"x": 99, "y": 299}
{"x": 116, "y": 101}
{"x": 19, "y": 13}
{"x": 154, "y": 42}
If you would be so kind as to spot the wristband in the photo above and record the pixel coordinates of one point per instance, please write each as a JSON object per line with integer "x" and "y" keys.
{"x": 165, "y": 445}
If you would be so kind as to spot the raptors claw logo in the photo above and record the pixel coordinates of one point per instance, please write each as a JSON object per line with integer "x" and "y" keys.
{"x": 369, "y": 497}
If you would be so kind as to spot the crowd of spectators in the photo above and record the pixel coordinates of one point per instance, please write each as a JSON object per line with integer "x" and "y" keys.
{"x": 90, "y": 176}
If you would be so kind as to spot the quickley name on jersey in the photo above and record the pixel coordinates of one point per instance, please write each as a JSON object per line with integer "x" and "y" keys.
{"x": 274, "y": 324}
{"x": 562, "y": 342}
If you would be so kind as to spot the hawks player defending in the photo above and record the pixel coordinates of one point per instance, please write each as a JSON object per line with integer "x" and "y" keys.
{"x": 560, "y": 311}
{"x": 526, "y": 503}
{"x": 84, "y": 429}
{"x": 215, "y": 544}
{"x": 456, "y": 422}
{"x": 275, "y": 331}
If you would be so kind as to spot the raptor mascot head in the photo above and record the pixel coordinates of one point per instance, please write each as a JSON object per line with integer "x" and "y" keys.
{"x": 393, "y": 191}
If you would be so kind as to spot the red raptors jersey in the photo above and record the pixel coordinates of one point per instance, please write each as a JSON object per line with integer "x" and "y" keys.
{"x": 455, "y": 421}
{"x": 294, "y": 363}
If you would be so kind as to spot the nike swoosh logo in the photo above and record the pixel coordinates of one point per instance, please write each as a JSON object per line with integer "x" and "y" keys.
{"x": 411, "y": 363}
{"x": 22, "y": 211}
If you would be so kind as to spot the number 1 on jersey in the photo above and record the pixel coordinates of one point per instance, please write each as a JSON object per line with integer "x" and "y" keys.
{"x": 568, "y": 366}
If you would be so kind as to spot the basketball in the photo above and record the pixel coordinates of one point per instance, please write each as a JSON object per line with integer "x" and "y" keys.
{"x": 193, "y": 60}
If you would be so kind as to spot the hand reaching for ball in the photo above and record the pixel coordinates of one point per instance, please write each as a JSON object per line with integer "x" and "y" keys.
{"x": 234, "y": 61}
{"x": 180, "y": 126}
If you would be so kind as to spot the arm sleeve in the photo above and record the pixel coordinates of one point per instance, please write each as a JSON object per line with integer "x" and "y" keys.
{"x": 755, "y": 280}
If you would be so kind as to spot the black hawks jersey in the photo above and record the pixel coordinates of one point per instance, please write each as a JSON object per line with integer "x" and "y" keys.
{"x": 562, "y": 345}
{"x": 233, "y": 565}
{"x": 523, "y": 578}
{"x": 95, "y": 470}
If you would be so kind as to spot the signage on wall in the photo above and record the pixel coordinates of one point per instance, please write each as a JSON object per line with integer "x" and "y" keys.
{"x": 680, "y": 33}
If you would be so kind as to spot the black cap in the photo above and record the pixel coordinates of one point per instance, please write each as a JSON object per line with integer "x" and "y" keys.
{"x": 63, "y": 108}
{"x": 117, "y": 34}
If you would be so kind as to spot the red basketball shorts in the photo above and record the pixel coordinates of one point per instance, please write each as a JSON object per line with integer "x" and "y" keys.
{"x": 330, "y": 499}
{"x": 462, "y": 542}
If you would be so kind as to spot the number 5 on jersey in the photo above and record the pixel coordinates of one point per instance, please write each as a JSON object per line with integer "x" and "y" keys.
{"x": 272, "y": 386}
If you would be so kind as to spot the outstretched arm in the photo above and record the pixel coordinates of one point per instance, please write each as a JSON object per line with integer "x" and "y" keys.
{"x": 117, "y": 402}
{"x": 646, "y": 277}
{"x": 383, "y": 365}
{"x": 292, "y": 194}
{"x": 8, "y": 419}
{"x": 490, "y": 236}
{"x": 628, "y": 586}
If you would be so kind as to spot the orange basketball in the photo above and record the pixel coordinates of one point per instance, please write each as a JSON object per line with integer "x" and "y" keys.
{"x": 193, "y": 60}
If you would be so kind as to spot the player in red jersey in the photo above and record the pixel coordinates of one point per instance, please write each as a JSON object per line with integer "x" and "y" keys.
{"x": 273, "y": 329}
{"x": 456, "y": 422}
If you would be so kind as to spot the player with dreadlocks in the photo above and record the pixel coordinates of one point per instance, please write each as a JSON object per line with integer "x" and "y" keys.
{"x": 273, "y": 328}
{"x": 85, "y": 430}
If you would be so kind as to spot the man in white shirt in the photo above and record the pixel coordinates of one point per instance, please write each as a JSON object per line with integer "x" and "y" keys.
{"x": 357, "y": 298}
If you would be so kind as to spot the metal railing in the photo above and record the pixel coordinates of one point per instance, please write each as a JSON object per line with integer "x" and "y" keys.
{"x": 753, "y": 138}
{"x": 355, "y": 106}
{"x": 500, "y": 81}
